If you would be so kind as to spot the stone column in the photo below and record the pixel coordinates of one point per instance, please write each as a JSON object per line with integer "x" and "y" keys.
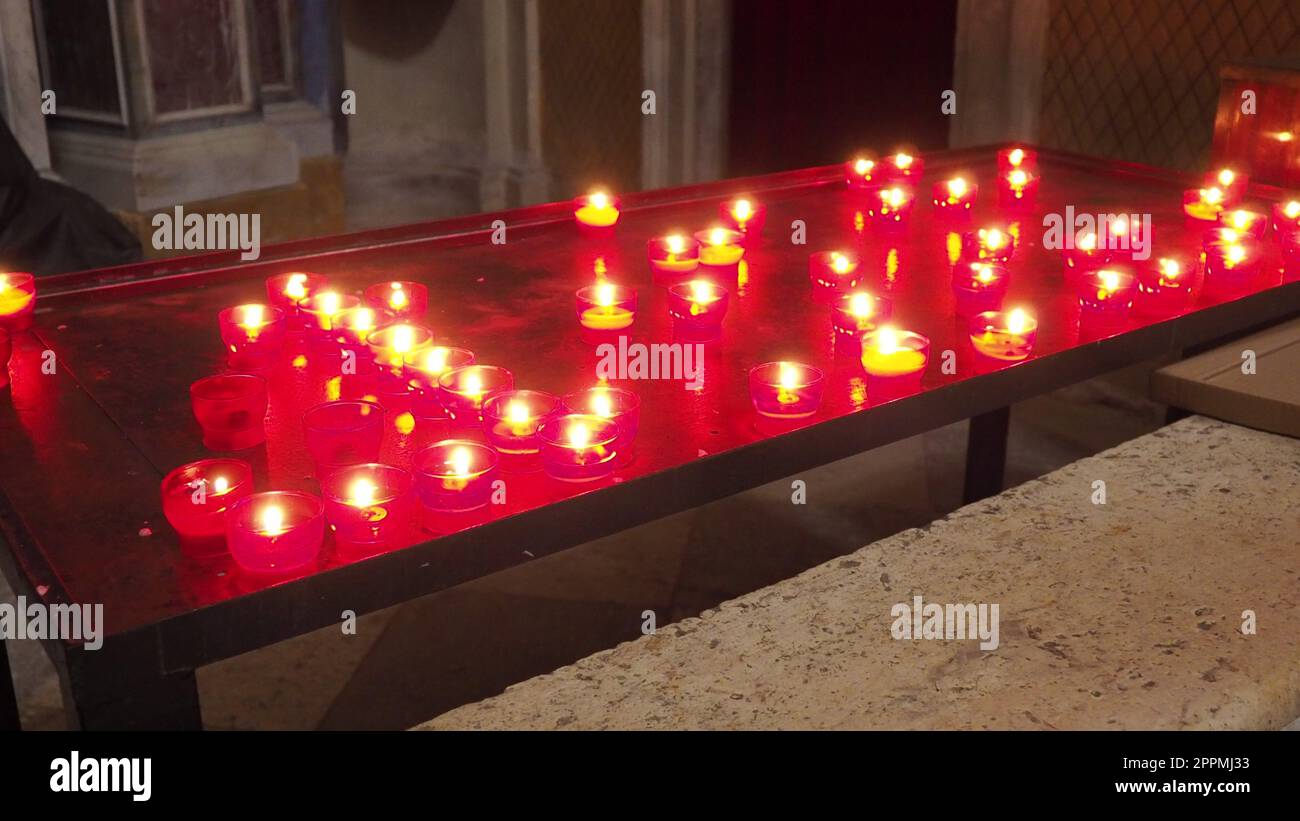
{"x": 998, "y": 70}
{"x": 20, "y": 84}
{"x": 514, "y": 172}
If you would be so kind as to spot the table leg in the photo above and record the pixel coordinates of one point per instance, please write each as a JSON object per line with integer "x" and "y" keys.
{"x": 8, "y": 698}
{"x": 128, "y": 691}
{"x": 986, "y": 454}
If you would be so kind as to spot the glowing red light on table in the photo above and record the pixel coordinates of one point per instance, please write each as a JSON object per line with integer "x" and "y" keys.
{"x": 1002, "y": 337}
{"x": 903, "y": 167}
{"x": 253, "y": 335}
{"x": 862, "y": 172}
{"x": 462, "y": 390}
{"x": 856, "y": 312}
{"x": 276, "y": 532}
{"x": 1286, "y": 217}
{"x": 786, "y": 390}
{"x": 616, "y": 404}
{"x": 894, "y": 362}
{"x": 367, "y": 504}
{"x": 894, "y": 204}
{"x": 511, "y": 420}
{"x": 1164, "y": 286}
{"x": 1245, "y": 221}
{"x": 390, "y": 345}
{"x": 401, "y": 299}
{"x": 6, "y": 350}
{"x": 1017, "y": 187}
{"x": 343, "y": 433}
{"x": 988, "y": 245}
{"x": 285, "y": 291}
{"x": 1105, "y": 293}
{"x": 673, "y": 256}
{"x": 833, "y": 273}
{"x": 17, "y": 300}
{"x": 231, "y": 409}
{"x": 455, "y": 475}
{"x": 979, "y": 288}
{"x": 422, "y": 369}
{"x": 605, "y": 307}
{"x": 746, "y": 216}
{"x": 955, "y": 196}
{"x": 597, "y": 210}
{"x": 1204, "y": 203}
{"x": 697, "y": 309}
{"x": 578, "y": 447}
{"x": 195, "y": 496}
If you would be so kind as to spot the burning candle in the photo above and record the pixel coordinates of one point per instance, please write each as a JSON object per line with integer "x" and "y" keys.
{"x": 720, "y": 247}
{"x": 455, "y": 475}
{"x": 673, "y": 256}
{"x": 462, "y": 390}
{"x": 390, "y": 345}
{"x": 1244, "y": 221}
{"x": 895, "y": 203}
{"x": 854, "y": 313}
{"x": 903, "y": 167}
{"x": 6, "y": 350}
{"x": 955, "y": 196}
{"x": 1000, "y": 338}
{"x": 1232, "y": 260}
{"x": 343, "y": 433}
{"x": 578, "y": 447}
{"x": 353, "y": 326}
{"x": 615, "y": 404}
{"x": 275, "y": 533}
{"x": 401, "y": 299}
{"x": 605, "y": 307}
{"x": 1017, "y": 187}
{"x": 318, "y": 311}
{"x": 196, "y": 496}
{"x": 253, "y": 335}
{"x": 1204, "y": 203}
{"x": 231, "y": 410}
{"x": 786, "y": 390}
{"x": 833, "y": 274}
{"x": 981, "y": 287}
{"x": 746, "y": 216}
{"x": 1286, "y": 217}
{"x": 697, "y": 309}
{"x": 988, "y": 245}
{"x": 367, "y": 504}
{"x": 1087, "y": 254}
{"x": 1105, "y": 294}
{"x": 1010, "y": 159}
{"x": 285, "y": 291}
{"x": 861, "y": 173}
{"x": 511, "y": 420}
{"x": 1231, "y": 182}
{"x": 894, "y": 362}
{"x": 597, "y": 210}
{"x": 17, "y": 300}
{"x": 1164, "y": 286}
{"x": 422, "y": 368}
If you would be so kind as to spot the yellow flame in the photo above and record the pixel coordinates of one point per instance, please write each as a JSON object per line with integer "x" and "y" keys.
{"x": 789, "y": 378}
{"x": 252, "y": 317}
{"x": 1109, "y": 280}
{"x": 517, "y": 412}
{"x": 605, "y": 294}
{"x": 840, "y": 264}
{"x": 887, "y": 340}
{"x": 601, "y": 405}
{"x": 220, "y": 485}
{"x": 403, "y": 338}
{"x": 956, "y": 187}
{"x": 1087, "y": 242}
{"x": 361, "y": 493}
{"x": 1241, "y": 220}
{"x": 1018, "y": 178}
{"x": 1236, "y": 254}
{"x": 1291, "y": 209}
{"x": 473, "y": 384}
{"x": 1169, "y": 268}
{"x": 860, "y": 305}
{"x": 398, "y": 298}
{"x": 893, "y": 196}
{"x": 993, "y": 238}
{"x": 460, "y": 460}
{"x": 862, "y": 166}
{"x": 903, "y": 161}
{"x": 1016, "y": 157}
{"x": 718, "y": 236}
{"x": 1226, "y": 177}
{"x": 578, "y": 434}
{"x": 296, "y": 287}
{"x": 984, "y": 274}
{"x": 675, "y": 244}
{"x": 272, "y": 520}
{"x": 435, "y": 360}
{"x": 1017, "y": 321}
{"x": 1284, "y": 136}
{"x": 701, "y": 291}
{"x": 599, "y": 200}
{"x": 742, "y": 210}
{"x": 1229, "y": 235}
{"x": 1213, "y": 196}
{"x": 329, "y": 302}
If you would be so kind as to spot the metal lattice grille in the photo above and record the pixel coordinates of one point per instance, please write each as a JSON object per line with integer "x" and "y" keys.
{"x": 1138, "y": 80}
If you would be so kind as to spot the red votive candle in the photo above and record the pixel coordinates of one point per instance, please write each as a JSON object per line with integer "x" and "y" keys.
{"x": 462, "y": 390}
{"x": 422, "y": 368}
{"x": 955, "y": 197}
{"x": 1286, "y": 217}
{"x": 253, "y": 334}
{"x": 455, "y": 475}
{"x": 1105, "y": 294}
{"x": 745, "y": 215}
{"x": 855, "y": 313}
{"x": 673, "y": 256}
{"x": 616, "y": 404}
{"x": 510, "y": 422}
{"x": 604, "y": 309}
{"x": 1232, "y": 260}
{"x": 1009, "y": 159}
{"x": 319, "y": 310}
{"x": 352, "y": 329}
{"x": 981, "y": 287}
{"x": 1002, "y": 338}
{"x": 891, "y": 207}
{"x": 17, "y": 300}
{"x": 196, "y": 496}
{"x": 894, "y": 362}
{"x": 578, "y": 447}
{"x": 367, "y": 504}
{"x": 721, "y": 250}
{"x": 988, "y": 245}
{"x": 231, "y": 409}
{"x": 400, "y": 298}
{"x": 862, "y": 173}
{"x": 1245, "y": 221}
{"x": 1231, "y": 181}
{"x": 697, "y": 309}
{"x": 343, "y": 433}
{"x": 6, "y": 350}
{"x": 903, "y": 167}
{"x": 1164, "y": 286}
{"x": 285, "y": 291}
{"x": 786, "y": 390}
{"x": 833, "y": 274}
{"x": 1017, "y": 187}
{"x": 1204, "y": 204}
{"x": 390, "y": 345}
{"x": 1086, "y": 254}
{"x": 596, "y": 213}
{"x": 276, "y": 532}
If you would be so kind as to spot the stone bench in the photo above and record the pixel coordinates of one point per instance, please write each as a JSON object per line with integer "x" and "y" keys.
{"x": 1126, "y": 614}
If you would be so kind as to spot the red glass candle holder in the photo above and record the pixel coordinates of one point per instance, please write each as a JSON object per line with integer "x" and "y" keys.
{"x": 400, "y": 298}
{"x": 196, "y": 496}
{"x": 697, "y": 309}
{"x": 367, "y": 504}
{"x": 834, "y": 274}
{"x": 343, "y": 433}
{"x": 510, "y": 422}
{"x": 616, "y": 404}
{"x": 1286, "y": 217}
{"x": 6, "y": 350}
{"x": 390, "y": 345}
{"x": 862, "y": 173}
{"x": 1164, "y": 286}
{"x": 853, "y": 314}
{"x": 1204, "y": 204}
{"x": 746, "y": 216}
{"x": 1084, "y": 254}
{"x": 578, "y": 447}
{"x": 1231, "y": 181}
{"x": 786, "y": 390}
{"x": 285, "y": 291}
{"x": 982, "y": 287}
{"x": 903, "y": 166}
{"x": 455, "y": 475}
{"x": 1232, "y": 261}
{"x": 1105, "y": 294}
{"x": 319, "y": 310}
{"x": 604, "y": 309}
{"x": 1002, "y": 338}
{"x": 421, "y": 370}
{"x": 462, "y": 390}
{"x": 673, "y": 256}
{"x": 1009, "y": 159}
{"x": 275, "y": 533}
{"x": 720, "y": 247}
{"x": 352, "y": 327}
{"x": 596, "y": 213}
{"x": 991, "y": 244}
{"x": 17, "y": 300}
{"x": 253, "y": 335}
{"x": 955, "y": 197}
{"x": 1017, "y": 187}
{"x": 890, "y": 209}
{"x": 1245, "y": 221}
{"x": 231, "y": 409}
{"x": 894, "y": 362}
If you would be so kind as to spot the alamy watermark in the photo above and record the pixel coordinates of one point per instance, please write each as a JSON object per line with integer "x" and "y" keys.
{"x": 947, "y": 622}
{"x": 180, "y": 231}
{"x": 659, "y": 360}
{"x": 62, "y": 622}
{"x": 1113, "y": 232}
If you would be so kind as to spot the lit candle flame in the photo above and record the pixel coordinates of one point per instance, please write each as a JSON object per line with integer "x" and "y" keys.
{"x": 330, "y": 302}
{"x": 789, "y": 378}
{"x": 1087, "y": 242}
{"x": 893, "y": 196}
{"x": 579, "y": 434}
{"x": 296, "y": 287}
{"x": 435, "y": 361}
{"x": 220, "y": 485}
{"x": 1236, "y": 254}
{"x": 361, "y": 493}
{"x": 1226, "y": 177}
{"x": 701, "y": 291}
{"x": 403, "y": 338}
{"x": 860, "y": 305}
{"x": 601, "y": 405}
{"x": 4, "y": 283}
{"x": 473, "y": 384}
{"x": 1241, "y": 220}
{"x": 887, "y": 340}
{"x": 1017, "y": 321}
{"x": 1284, "y": 136}
{"x": 517, "y": 412}
{"x": 840, "y": 264}
{"x": 956, "y": 187}
{"x": 742, "y": 210}
{"x": 1291, "y": 209}
{"x": 993, "y": 238}
{"x": 252, "y": 317}
{"x": 903, "y": 161}
{"x": 1109, "y": 281}
{"x": 460, "y": 461}
{"x": 397, "y": 299}
{"x": 862, "y": 166}
{"x": 1016, "y": 157}
{"x": 1212, "y": 196}
{"x": 675, "y": 244}
{"x": 1229, "y": 235}
{"x": 599, "y": 200}
{"x": 983, "y": 273}
{"x": 718, "y": 236}
{"x": 605, "y": 294}
{"x": 1018, "y": 178}
{"x": 1169, "y": 268}
{"x": 272, "y": 520}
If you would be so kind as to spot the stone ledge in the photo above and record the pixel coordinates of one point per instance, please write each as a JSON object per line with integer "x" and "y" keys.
{"x": 1116, "y": 616}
